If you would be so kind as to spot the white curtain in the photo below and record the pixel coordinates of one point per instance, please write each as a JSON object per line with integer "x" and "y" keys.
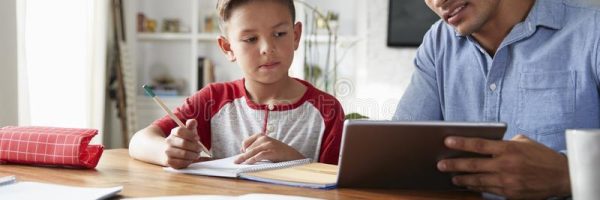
{"x": 62, "y": 62}
{"x": 8, "y": 63}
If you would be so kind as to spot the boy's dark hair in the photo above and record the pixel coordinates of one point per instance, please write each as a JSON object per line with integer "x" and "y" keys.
{"x": 224, "y": 8}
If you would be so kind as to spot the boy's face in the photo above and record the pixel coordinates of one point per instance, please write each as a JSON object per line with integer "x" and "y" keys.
{"x": 262, "y": 38}
{"x": 466, "y": 16}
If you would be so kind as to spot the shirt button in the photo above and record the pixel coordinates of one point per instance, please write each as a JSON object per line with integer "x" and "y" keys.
{"x": 493, "y": 87}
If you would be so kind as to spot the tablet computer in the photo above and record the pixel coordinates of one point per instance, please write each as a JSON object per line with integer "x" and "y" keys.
{"x": 397, "y": 154}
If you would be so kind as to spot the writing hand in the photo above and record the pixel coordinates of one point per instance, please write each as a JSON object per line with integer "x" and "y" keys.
{"x": 183, "y": 145}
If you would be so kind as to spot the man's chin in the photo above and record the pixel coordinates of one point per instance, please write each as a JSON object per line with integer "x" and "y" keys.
{"x": 466, "y": 28}
{"x": 463, "y": 31}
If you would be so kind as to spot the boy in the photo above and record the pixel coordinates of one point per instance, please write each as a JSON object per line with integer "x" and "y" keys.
{"x": 265, "y": 116}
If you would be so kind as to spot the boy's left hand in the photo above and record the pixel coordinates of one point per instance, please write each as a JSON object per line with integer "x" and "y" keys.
{"x": 260, "y": 147}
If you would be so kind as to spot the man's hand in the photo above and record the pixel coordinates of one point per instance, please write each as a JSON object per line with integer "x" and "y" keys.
{"x": 261, "y": 147}
{"x": 183, "y": 146}
{"x": 519, "y": 168}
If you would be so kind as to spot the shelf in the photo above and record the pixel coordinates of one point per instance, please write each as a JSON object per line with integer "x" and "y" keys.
{"x": 202, "y": 37}
{"x": 176, "y": 53}
{"x": 148, "y": 111}
{"x": 211, "y": 37}
{"x": 207, "y": 37}
{"x": 342, "y": 39}
{"x": 171, "y": 101}
{"x": 164, "y": 36}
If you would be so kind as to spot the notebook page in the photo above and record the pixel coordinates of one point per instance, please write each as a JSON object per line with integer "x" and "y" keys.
{"x": 227, "y": 168}
{"x": 251, "y": 196}
{"x": 221, "y": 167}
{"x": 35, "y": 190}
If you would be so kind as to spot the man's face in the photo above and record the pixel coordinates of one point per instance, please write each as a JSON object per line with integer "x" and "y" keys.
{"x": 466, "y": 16}
{"x": 262, "y": 39}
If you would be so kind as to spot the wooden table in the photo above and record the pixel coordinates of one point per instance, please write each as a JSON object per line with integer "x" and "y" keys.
{"x": 140, "y": 179}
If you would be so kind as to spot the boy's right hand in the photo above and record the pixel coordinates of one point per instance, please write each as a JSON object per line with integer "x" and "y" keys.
{"x": 183, "y": 145}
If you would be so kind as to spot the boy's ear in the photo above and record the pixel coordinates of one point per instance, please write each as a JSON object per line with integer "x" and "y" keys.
{"x": 226, "y": 48}
{"x": 297, "y": 34}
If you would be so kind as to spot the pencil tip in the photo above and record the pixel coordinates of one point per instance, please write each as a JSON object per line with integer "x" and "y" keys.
{"x": 148, "y": 90}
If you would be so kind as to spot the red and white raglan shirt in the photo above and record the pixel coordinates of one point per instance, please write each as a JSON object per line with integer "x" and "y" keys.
{"x": 226, "y": 116}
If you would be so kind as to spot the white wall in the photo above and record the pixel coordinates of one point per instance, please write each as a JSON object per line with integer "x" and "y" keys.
{"x": 385, "y": 74}
{"x": 8, "y": 63}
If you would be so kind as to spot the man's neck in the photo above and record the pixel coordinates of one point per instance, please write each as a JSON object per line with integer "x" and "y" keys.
{"x": 508, "y": 14}
{"x": 286, "y": 91}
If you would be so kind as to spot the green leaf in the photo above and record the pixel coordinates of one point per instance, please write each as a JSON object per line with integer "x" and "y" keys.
{"x": 356, "y": 116}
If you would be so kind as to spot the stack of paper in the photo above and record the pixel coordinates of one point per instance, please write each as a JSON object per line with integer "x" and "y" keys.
{"x": 11, "y": 189}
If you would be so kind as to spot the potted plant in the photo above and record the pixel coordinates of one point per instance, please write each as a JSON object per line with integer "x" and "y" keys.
{"x": 323, "y": 75}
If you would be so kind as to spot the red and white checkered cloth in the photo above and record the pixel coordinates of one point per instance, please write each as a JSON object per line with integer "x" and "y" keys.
{"x": 50, "y": 146}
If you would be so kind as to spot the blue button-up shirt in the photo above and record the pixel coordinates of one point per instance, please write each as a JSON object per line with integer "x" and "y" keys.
{"x": 542, "y": 80}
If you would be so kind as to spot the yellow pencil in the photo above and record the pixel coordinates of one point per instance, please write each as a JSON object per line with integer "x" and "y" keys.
{"x": 173, "y": 117}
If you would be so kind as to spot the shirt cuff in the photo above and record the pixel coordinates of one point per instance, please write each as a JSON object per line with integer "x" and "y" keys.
{"x": 564, "y": 153}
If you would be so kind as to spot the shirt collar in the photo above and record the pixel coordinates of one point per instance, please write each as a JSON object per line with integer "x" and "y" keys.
{"x": 548, "y": 13}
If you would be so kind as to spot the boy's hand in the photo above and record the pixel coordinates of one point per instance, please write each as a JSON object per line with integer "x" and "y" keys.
{"x": 261, "y": 147}
{"x": 183, "y": 146}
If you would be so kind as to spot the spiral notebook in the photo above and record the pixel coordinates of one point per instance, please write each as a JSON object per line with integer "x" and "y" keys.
{"x": 299, "y": 173}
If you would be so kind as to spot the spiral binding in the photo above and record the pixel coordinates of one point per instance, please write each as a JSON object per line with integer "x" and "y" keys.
{"x": 273, "y": 166}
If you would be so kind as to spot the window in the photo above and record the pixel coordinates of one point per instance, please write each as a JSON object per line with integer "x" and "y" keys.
{"x": 62, "y": 48}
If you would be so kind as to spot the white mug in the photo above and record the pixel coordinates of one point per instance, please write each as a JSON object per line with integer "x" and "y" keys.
{"x": 583, "y": 150}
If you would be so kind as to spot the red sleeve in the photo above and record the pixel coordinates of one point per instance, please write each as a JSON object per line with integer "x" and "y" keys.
{"x": 333, "y": 115}
{"x": 198, "y": 106}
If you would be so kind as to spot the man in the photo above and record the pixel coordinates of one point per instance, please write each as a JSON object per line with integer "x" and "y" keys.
{"x": 530, "y": 63}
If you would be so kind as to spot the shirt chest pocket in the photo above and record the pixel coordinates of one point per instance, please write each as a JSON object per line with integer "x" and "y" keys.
{"x": 546, "y": 102}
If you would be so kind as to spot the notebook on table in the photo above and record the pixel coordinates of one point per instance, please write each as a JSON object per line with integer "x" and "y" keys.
{"x": 313, "y": 175}
{"x": 251, "y": 196}
{"x": 299, "y": 173}
{"x": 10, "y": 188}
